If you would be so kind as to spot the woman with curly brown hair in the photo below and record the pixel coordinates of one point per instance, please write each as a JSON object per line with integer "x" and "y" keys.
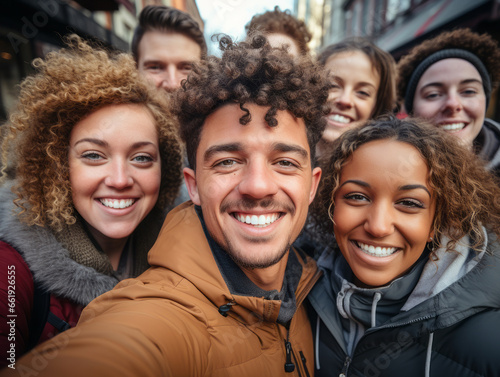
{"x": 97, "y": 160}
{"x": 448, "y": 80}
{"x": 363, "y": 85}
{"x": 411, "y": 284}
{"x": 281, "y": 28}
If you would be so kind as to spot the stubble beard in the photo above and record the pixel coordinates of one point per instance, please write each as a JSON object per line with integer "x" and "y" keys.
{"x": 238, "y": 256}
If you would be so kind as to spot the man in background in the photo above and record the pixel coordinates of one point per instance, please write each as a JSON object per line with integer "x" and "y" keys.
{"x": 281, "y": 28}
{"x": 165, "y": 45}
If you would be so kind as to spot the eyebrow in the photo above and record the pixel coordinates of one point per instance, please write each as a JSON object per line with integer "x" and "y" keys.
{"x": 214, "y": 149}
{"x": 236, "y": 147}
{"x": 99, "y": 142}
{"x": 401, "y": 188}
{"x": 362, "y": 83}
{"x": 282, "y": 147}
{"x": 103, "y": 143}
{"x": 414, "y": 187}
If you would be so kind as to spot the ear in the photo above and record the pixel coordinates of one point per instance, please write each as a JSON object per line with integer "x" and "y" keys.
{"x": 190, "y": 180}
{"x": 316, "y": 176}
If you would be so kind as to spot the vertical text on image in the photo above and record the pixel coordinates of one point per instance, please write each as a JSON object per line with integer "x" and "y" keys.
{"x": 11, "y": 316}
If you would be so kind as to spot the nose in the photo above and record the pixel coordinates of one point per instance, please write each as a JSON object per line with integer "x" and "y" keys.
{"x": 119, "y": 176}
{"x": 258, "y": 181}
{"x": 380, "y": 220}
{"x": 453, "y": 103}
{"x": 171, "y": 79}
{"x": 344, "y": 99}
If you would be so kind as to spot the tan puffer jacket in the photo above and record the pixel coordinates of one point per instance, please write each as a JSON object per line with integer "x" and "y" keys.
{"x": 167, "y": 321}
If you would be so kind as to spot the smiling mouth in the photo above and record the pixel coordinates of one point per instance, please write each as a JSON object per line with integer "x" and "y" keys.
{"x": 376, "y": 251}
{"x": 339, "y": 118}
{"x": 260, "y": 221}
{"x": 117, "y": 203}
{"x": 452, "y": 127}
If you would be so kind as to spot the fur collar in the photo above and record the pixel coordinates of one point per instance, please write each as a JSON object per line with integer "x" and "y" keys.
{"x": 48, "y": 260}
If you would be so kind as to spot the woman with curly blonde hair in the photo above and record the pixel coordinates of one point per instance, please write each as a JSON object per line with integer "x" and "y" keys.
{"x": 448, "y": 80}
{"x": 97, "y": 160}
{"x": 411, "y": 284}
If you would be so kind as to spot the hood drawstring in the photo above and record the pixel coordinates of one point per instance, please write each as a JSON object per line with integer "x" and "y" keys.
{"x": 428, "y": 356}
{"x": 376, "y": 298}
{"x": 223, "y": 309}
{"x": 289, "y": 365}
{"x": 316, "y": 341}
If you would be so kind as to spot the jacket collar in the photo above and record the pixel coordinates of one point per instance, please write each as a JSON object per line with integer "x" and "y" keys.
{"x": 449, "y": 289}
{"x": 44, "y": 254}
{"x": 184, "y": 248}
{"x": 490, "y": 148}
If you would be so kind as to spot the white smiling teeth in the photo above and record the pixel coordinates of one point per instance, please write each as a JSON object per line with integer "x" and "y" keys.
{"x": 339, "y": 118}
{"x": 376, "y": 251}
{"x": 453, "y": 127}
{"x": 258, "y": 221}
{"x": 117, "y": 203}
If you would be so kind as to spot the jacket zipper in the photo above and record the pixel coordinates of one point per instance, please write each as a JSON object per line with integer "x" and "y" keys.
{"x": 289, "y": 365}
{"x": 347, "y": 362}
{"x": 348, "y": 359}
{"x": 303, "y": 358}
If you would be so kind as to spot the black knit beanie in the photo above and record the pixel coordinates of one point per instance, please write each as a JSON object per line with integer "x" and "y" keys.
{"x": 440, "y": 55}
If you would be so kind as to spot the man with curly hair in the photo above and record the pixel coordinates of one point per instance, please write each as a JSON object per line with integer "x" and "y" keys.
{"x": 448, "y": 80}
{"x": 281, "y": 29}
{"x": 165, "y": 45}
{"x": 224, "y": 294}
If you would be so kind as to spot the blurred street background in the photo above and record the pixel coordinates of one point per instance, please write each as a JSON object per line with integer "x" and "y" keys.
{"x": 31, "y": 28}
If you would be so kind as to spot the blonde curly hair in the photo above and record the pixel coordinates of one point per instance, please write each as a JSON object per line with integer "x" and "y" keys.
{"x": 69, "y": 85}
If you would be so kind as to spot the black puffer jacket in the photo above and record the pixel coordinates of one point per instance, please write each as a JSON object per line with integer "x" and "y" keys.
{"x": 441, "y": 319}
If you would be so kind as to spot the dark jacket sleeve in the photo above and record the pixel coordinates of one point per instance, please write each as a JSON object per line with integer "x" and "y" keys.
{"x": 16, "y": 301}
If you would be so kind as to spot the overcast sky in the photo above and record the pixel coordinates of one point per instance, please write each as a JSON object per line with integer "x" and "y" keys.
{"x": 231, "y": 16}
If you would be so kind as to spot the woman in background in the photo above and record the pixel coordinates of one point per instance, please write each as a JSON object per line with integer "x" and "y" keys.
{"x": 411, "y": 286}
{"x": 96, "y": 160}
{"x": 448, "y": 80}
{"x": 363, "y": 85}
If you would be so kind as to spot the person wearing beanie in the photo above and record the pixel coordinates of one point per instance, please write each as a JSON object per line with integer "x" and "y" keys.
{"x": 448, "y": 80}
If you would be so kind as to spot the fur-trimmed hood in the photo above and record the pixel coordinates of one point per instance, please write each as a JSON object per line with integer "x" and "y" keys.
{"x": 48, "y": 260}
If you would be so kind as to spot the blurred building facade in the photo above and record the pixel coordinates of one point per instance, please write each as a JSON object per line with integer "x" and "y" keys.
{"x": 31, "y": 28}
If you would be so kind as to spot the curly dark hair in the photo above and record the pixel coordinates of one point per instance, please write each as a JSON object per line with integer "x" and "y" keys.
{"x": 252, "y": 72}
{"x": 69, "y": 85}
{"x": 382, "y": 61}
{"x": 481, "y": 45}
{"x": 282, "y": 22}
{"x": 467, "y": 195}
{"x": 167, "y": 20}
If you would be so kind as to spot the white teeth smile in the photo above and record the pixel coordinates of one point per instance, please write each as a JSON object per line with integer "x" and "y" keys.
{"x": 339, "y": 118}
{"x": 376, "y": 251}
{"x": 453, "y": 127}
{"x": 117, "y": 203}
{"x": 258, "y": 221}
